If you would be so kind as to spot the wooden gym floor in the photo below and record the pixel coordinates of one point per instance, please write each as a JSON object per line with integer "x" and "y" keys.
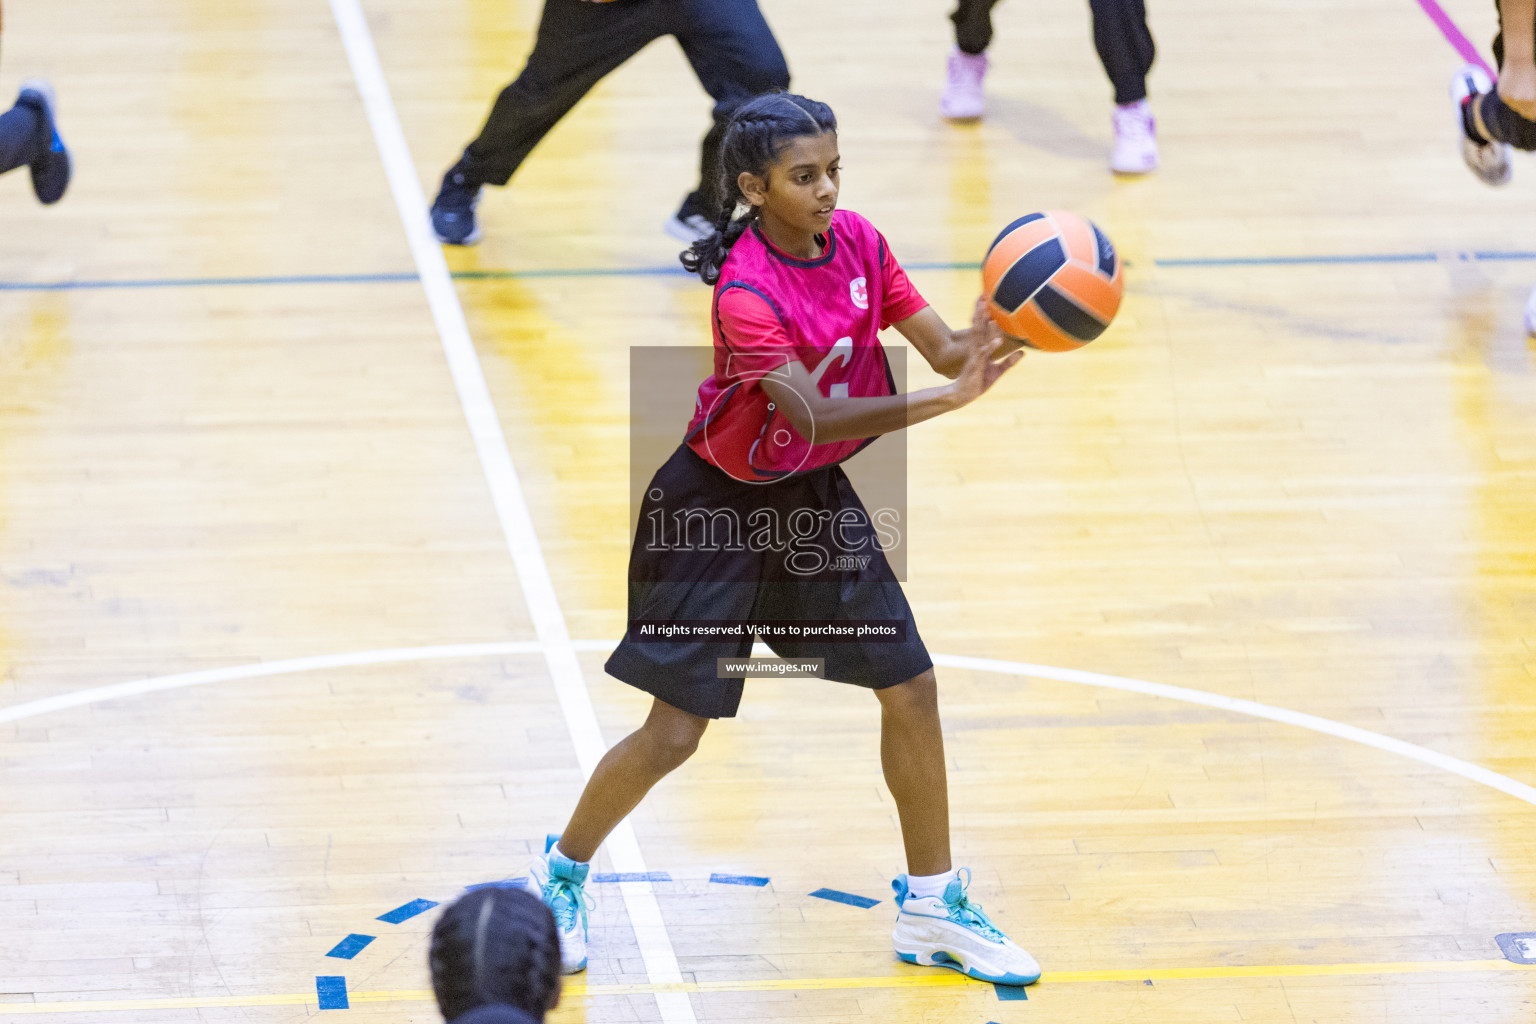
{"x": 1299, "y": 471}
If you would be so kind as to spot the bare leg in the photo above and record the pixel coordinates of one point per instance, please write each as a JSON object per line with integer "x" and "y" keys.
{"x": 912, "y": 754}
{"x": 627, "y": 772}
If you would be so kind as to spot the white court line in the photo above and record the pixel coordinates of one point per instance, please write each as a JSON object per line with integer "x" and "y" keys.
{"x": 1326, "y": 726}
{"x": 117, "y": 691}
{"x": 506, "y": 492}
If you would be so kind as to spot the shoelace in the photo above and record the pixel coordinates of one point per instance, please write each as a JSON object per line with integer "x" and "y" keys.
{"x": 566, "y": 899}
{"x": 963, "y": 911}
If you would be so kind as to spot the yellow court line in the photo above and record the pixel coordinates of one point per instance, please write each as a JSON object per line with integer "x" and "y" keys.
{"x": 946, "y": 980}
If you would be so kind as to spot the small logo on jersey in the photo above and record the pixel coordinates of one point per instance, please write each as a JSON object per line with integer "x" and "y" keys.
{"x": 859, "y": 292}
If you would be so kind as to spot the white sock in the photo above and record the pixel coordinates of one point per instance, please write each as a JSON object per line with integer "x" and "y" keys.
{"x": 930, "y": 885}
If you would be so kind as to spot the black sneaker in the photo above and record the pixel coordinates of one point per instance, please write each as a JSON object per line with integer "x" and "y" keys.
{"x": 50, "y": 172}
{"x": 453, "y": 211}
{"x": 691, "y": 222}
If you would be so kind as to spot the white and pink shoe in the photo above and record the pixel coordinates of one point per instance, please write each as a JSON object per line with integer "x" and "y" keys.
{"x": 963, "y": 98}
{"x": 1135, "y": 149}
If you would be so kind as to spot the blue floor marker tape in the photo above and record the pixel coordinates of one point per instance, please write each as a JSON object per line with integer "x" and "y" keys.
{"x": 634, "y": 876}
{"x": 406, "y": 912}
{"x": 738, "y": 880}
{"x": 1008, "y": 993}
{"x": 350, "y": 946}
{"x": 505, "y": 883}
{"x": 1518, "y": 947}
{"x": 332, "y": 990}
{"x": 844, "y": 897}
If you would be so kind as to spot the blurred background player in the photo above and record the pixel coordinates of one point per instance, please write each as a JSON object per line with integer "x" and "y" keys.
{"x": 29, "y": 137}
{"x": 495, "y": 959}
{"x": 729, "y": 45}
{"x": 1126, "y": 50}
{"x": 1494, "y": 119}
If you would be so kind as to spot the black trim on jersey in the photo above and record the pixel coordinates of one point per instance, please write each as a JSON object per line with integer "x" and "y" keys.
{"x": 715, "y": 308}
{"x": 710, "y": 416}
{"x": 795, "y": 261}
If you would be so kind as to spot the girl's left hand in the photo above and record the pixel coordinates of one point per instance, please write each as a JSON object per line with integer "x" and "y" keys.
{"x": 982, "y": 368}
{"x": 983, "y": 327}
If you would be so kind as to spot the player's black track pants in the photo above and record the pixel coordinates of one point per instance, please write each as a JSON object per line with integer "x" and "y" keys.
{"x": 21, "y": 137}
{"x": 730, "y": 46}
{"x": 1120, "y": 34}
{"x": 1505, "y": 125}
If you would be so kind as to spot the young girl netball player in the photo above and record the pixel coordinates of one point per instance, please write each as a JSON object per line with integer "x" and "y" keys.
{"x": 495, "y": 959}
{"x": 800, "y": 383}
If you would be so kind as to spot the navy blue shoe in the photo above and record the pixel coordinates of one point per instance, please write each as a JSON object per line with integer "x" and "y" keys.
{"x": 51, "y": 171}
{"x": 453, "y": 211}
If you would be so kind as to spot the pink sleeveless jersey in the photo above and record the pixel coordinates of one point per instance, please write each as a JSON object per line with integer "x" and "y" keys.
{"x": 771, "y": 308}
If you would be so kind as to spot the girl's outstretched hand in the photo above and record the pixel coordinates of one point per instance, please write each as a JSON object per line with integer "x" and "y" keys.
{"x": 982, "y": 324}
{"x": 982, "y": 369}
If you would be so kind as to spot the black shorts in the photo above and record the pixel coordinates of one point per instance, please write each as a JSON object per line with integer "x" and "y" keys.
{"x": 713, "y": 574}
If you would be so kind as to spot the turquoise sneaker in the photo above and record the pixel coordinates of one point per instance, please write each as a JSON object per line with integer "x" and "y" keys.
{"x": 561, "y": 883}
{"x": 951, "y": 931}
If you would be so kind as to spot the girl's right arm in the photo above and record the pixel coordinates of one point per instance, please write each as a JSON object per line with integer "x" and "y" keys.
{"x": 823, "y": 420}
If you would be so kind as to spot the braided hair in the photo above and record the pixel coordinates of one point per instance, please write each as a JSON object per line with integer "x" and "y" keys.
{"x": 495, "y": 946}
{"x": 754, "y": 138}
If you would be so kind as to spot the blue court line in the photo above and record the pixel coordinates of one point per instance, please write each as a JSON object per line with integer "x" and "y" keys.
{"x": 332, "y": 991}
{"x": 350, "y": 946}
{"x": 738, "y": 879}
{"x": 676, "y": 270}
{"x": 1009, "y": 993}
{"x": 505, "y": 883}
{"x": 406, "y": 911}
{"x": 402, "y": 277}
{"x": 1504, "y": 255}
{"x": 633, "y": 876}
{"x": 1295, "y": 261}
{"x": 836, "y": 896}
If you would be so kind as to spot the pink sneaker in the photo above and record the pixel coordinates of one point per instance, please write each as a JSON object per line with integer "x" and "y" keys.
{"x": 1135, "y": 139}
{"x": 963, "y": 99}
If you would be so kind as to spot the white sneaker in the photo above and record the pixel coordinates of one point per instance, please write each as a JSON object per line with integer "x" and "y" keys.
{"x": 1135, "y": 149}
{"x": 560, "y": 882}
{"x": 951, "y": 931}
{"x": 690, "y": 223}
{"x": 1530, "y": 314}
{"x": 1488, "y": 160}
{"x": 963, "y": 98}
